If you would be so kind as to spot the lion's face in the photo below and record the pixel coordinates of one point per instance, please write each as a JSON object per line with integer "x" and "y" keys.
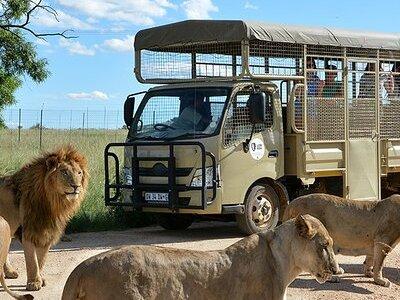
{"x": 317, "y": 256}
{"x": 67, "y": 178}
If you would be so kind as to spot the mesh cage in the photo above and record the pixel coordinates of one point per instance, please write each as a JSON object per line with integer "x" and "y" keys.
{"x": 325, "y": 97}
{"x": 299, "y": 110}
{"x": 361, "y": 53}
{"x": 238, "y": 126}
{"x": 361, "y": 91}
{"x": 280, "y": 59}
{"x": 389, "y": 99}
{"x": 191, "y": 61}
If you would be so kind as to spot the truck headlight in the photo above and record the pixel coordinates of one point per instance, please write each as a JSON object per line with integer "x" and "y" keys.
{"x": 198, "y": 178}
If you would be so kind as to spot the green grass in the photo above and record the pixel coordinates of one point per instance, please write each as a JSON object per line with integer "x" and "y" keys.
{"x": 93, "y": 215}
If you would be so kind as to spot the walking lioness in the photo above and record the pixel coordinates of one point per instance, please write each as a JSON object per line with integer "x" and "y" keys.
{"x": 5, "y": 238}
{"x": 370, "y": 228}
{"x": 260, "y": 266}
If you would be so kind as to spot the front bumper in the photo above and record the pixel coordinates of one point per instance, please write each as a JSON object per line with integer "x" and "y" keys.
{"x": 177, "y": 193}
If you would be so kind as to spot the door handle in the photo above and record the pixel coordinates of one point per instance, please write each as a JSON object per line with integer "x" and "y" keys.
{"x": 273, "y": 153}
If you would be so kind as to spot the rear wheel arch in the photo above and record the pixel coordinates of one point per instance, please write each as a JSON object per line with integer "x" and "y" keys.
{"x": 281, "y": 191}
{"x": 264, "y": 204}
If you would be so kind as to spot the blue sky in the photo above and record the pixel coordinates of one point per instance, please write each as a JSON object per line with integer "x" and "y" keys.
{"x": 95, "y": 71}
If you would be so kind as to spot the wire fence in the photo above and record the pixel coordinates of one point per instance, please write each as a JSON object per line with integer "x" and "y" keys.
{"x": 63, "y": 119}
{"x": 40, "y": 124}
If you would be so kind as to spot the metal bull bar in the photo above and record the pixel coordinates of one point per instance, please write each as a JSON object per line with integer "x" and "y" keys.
{"x": 172, "y": 188}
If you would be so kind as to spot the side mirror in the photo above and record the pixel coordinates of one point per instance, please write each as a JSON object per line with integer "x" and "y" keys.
{"x": 257, "y": 105}
{"x": 129, "y": 106}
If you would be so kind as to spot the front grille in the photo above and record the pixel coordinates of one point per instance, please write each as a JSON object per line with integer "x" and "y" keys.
{"x": 163, "y": 172}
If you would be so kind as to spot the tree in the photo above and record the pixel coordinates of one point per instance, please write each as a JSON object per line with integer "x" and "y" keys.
{"x": 18, "y": 55}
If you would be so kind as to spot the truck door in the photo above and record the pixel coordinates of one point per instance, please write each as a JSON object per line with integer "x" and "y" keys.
{"x": 363, "y": 172}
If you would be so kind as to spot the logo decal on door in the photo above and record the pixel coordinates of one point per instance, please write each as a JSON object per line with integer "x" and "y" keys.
{"x": 257, "y": 148}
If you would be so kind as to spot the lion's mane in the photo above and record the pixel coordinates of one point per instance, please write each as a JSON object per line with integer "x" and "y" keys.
{"x": 44, "y": 212}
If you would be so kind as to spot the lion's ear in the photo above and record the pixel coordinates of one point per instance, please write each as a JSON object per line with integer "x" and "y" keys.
{"x": 304, "y": 227}
{"x": 51, "y": 162}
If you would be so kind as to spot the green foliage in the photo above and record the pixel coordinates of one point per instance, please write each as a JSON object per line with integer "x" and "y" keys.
{"x": 18, "y": 56}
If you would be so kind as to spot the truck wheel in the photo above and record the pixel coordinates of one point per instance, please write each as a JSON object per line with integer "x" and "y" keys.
{"x": 261, "y": 211}
{"x": 174, "y": 221}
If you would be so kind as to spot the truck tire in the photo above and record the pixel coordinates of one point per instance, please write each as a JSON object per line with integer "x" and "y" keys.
{"x": 261, "y": 210}
{"x": 174, "y": 221}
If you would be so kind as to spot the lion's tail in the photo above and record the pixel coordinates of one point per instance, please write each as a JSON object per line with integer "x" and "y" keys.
{"x": 11, "y": 293}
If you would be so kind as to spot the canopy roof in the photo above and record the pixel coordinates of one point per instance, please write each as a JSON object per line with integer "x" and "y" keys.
{"x": 202, "y": 31}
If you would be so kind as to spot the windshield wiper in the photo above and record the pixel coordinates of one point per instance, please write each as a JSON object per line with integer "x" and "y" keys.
{"x": 148, "y": 138}
{"x": 188, "y": 134}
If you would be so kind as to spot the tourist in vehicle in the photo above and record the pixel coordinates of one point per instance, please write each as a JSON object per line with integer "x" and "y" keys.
{"x": 193, "y": 115}
{"x": 314, "y": 83}
{"x": 332, "y": 88}
{"x": 395, "y": 93}
{"x": 367, "y": 82}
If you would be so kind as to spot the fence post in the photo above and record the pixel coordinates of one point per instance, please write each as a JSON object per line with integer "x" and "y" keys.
{"x": 19, "y": 125}
{"x": 41, "y": 128}
{"x": 70, "y": 121}
{"x": 83, "y": 123}
{"x": 104, "y": 121}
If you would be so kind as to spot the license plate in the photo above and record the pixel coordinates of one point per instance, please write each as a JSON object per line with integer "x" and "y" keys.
{"x": 156, "y": 197}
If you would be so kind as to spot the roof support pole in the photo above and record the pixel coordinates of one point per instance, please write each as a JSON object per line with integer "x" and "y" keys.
{"x": 194, "y": 65}
{"x": 245, "y": 58}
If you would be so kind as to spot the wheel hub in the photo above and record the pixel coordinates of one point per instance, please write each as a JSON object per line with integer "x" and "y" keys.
{"x": 261, "y": 210}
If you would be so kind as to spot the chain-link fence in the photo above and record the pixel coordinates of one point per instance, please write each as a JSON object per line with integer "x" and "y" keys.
{"x": 63, "y": 119}
{"x": 38, "y": 124}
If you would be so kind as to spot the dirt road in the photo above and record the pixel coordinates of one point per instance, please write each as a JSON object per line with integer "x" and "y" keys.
{"x": 201, "y": 236}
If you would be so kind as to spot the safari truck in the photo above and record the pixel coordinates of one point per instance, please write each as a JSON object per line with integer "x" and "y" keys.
{"x": 245, "y": 116}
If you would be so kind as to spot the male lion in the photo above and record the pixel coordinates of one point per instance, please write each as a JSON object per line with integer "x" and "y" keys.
{"x": 37, "y": 202}
{"x": 260, "y": 266}
{"x": 370, "y": 228}
{"x": 5, "y": 238}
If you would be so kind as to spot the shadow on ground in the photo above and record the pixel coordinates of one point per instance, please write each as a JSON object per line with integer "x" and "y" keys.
{"x": 354, "y": 275}
{"x": 146, "y": 236}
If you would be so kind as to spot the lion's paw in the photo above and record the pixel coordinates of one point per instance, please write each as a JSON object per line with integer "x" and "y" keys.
{"x": 339, "y": 271}
{"x": 34, "y": 285}
{"x": 382, "y": 281}
{"x": 369, "y": 273}
{"x": 10, "y": 274}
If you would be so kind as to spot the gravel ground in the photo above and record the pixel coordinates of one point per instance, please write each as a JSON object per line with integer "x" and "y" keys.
{"x": 201, "y": 236}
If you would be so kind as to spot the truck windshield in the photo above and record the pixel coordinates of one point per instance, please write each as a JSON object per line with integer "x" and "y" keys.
{"x": 180, "y": 113}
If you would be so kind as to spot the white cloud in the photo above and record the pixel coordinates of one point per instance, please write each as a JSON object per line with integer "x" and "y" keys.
{"x": 199, "y": 9}
{"x": 249, "y": 5}
{"x": 139, "y": 12}
{"x": 65, "y": 21}
{"x": 95, "y": 95}
{"x": 125, "y": 45}
{"x": 75, "y": 47}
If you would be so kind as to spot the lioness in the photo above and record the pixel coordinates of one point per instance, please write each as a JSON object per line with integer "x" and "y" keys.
{"x": 260, "y": 266}
{"x": 5, "y": 238}
{"x": 37, "y": 202}
{"x": 370, "y": 228}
